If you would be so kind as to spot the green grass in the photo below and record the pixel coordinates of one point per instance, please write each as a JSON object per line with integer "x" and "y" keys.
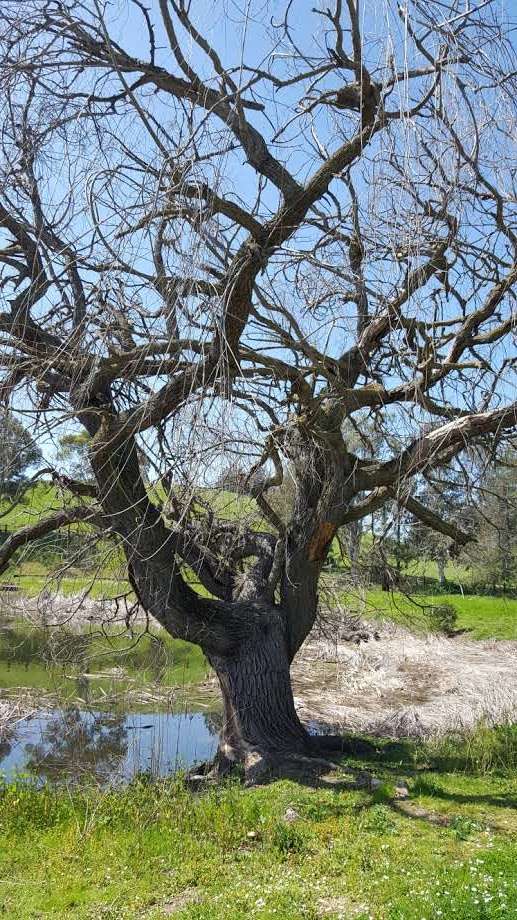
{"x": 127, "y": 854}
{"x": 38, "y": 500}
{"x": 32, "y": 585}
{"x": 484, "y": 617}
{"x": 36, "y": 676}
{"x": 43, "y": 498}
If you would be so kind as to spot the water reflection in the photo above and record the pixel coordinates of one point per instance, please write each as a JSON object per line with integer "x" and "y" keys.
{"x": 7, "y": 738}
{"x": 72, "y": 745}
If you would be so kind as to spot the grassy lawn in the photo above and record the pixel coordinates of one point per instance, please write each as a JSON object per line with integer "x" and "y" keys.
{"x": 43, "y": 498}
{"x": 484, "y": 617}
{"x": 100, "y": 588}
{"x": 38, "y": 500}
{"x": 154, "y": 849}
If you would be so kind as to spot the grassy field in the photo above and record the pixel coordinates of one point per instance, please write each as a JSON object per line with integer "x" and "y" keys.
{"x": 155, "y": 849}
{"x": 44, "y": 497}
{"x": 484, "y": 617}
{"x": 38, "y": 500}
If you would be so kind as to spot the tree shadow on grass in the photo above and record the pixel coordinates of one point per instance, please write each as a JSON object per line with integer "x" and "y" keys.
{"x": 495, "y": 800}
{"x": 374, "y": 766}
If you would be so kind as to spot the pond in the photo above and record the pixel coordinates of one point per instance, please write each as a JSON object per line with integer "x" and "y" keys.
{"x": 72, "y": 745}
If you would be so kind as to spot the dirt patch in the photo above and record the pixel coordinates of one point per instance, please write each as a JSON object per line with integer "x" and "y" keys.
{"x": 404, "y": 685}
{"x": 189, "y": 896}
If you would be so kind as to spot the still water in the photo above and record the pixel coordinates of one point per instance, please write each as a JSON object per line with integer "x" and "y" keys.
{"x": 73, "y": 745}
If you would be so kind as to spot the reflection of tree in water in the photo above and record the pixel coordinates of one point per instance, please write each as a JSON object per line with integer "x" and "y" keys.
{"x": 213, "y": 722}
{"x": 75, "y": 744}
{"x": 7, "y": 739}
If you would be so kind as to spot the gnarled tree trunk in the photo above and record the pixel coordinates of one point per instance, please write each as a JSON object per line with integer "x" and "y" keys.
{"x": 259, "y": 715}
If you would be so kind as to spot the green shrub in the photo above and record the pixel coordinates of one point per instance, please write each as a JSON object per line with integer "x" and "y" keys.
{"x": 442, "y": 618}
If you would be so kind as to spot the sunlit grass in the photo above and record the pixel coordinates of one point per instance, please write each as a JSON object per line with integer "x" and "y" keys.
{"x": 484, "y": 617}
{"x": 130, "y": 853}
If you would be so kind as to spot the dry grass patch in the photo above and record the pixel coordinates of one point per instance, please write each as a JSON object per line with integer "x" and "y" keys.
{"x": 403, "y": 685}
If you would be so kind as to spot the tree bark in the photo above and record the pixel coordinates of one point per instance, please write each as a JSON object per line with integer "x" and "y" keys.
{"x": 259, "y": 715}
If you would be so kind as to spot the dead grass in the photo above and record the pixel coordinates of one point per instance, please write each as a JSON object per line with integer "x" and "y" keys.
{"x": 407, "y": 686}
{"x": 21, "y": 703}
{"x": 75, "y": 610}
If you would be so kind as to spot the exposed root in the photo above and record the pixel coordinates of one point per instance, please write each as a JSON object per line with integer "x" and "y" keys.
{"x": 259, "y": 768}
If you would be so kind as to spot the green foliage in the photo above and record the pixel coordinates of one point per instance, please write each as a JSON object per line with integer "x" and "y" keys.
{"x": 73, "y": 455}
{"x": 442, "y": 618}
{"x": 496, "y": 559}
{"x": 18, "y": 451}
{"x": 379, "y": 820}
{"x": 287, "y": 838}
{"x": 464, "y": 827}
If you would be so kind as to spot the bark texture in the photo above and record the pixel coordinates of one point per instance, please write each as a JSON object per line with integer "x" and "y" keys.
{"x": 258, "y": 705}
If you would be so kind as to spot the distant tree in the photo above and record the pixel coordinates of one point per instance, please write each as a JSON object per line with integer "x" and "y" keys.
{"x": 73, "y": 455}
{"x": 496, "y": 522}
{"x": 232, "y": 479}
{"x": 18, "y": 451}
{"x": 446, "y": 498}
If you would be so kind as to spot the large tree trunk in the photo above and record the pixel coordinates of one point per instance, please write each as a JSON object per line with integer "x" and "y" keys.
{"x": 260, "y": 724}
{"x": 259, "y": 716}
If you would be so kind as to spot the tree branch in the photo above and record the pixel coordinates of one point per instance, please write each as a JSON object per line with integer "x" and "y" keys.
{"x": 432, "y": 520}
{"x": 41, "y": 528}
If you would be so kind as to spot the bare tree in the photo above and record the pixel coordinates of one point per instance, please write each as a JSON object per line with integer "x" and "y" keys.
{"x": 221, "y": 248}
